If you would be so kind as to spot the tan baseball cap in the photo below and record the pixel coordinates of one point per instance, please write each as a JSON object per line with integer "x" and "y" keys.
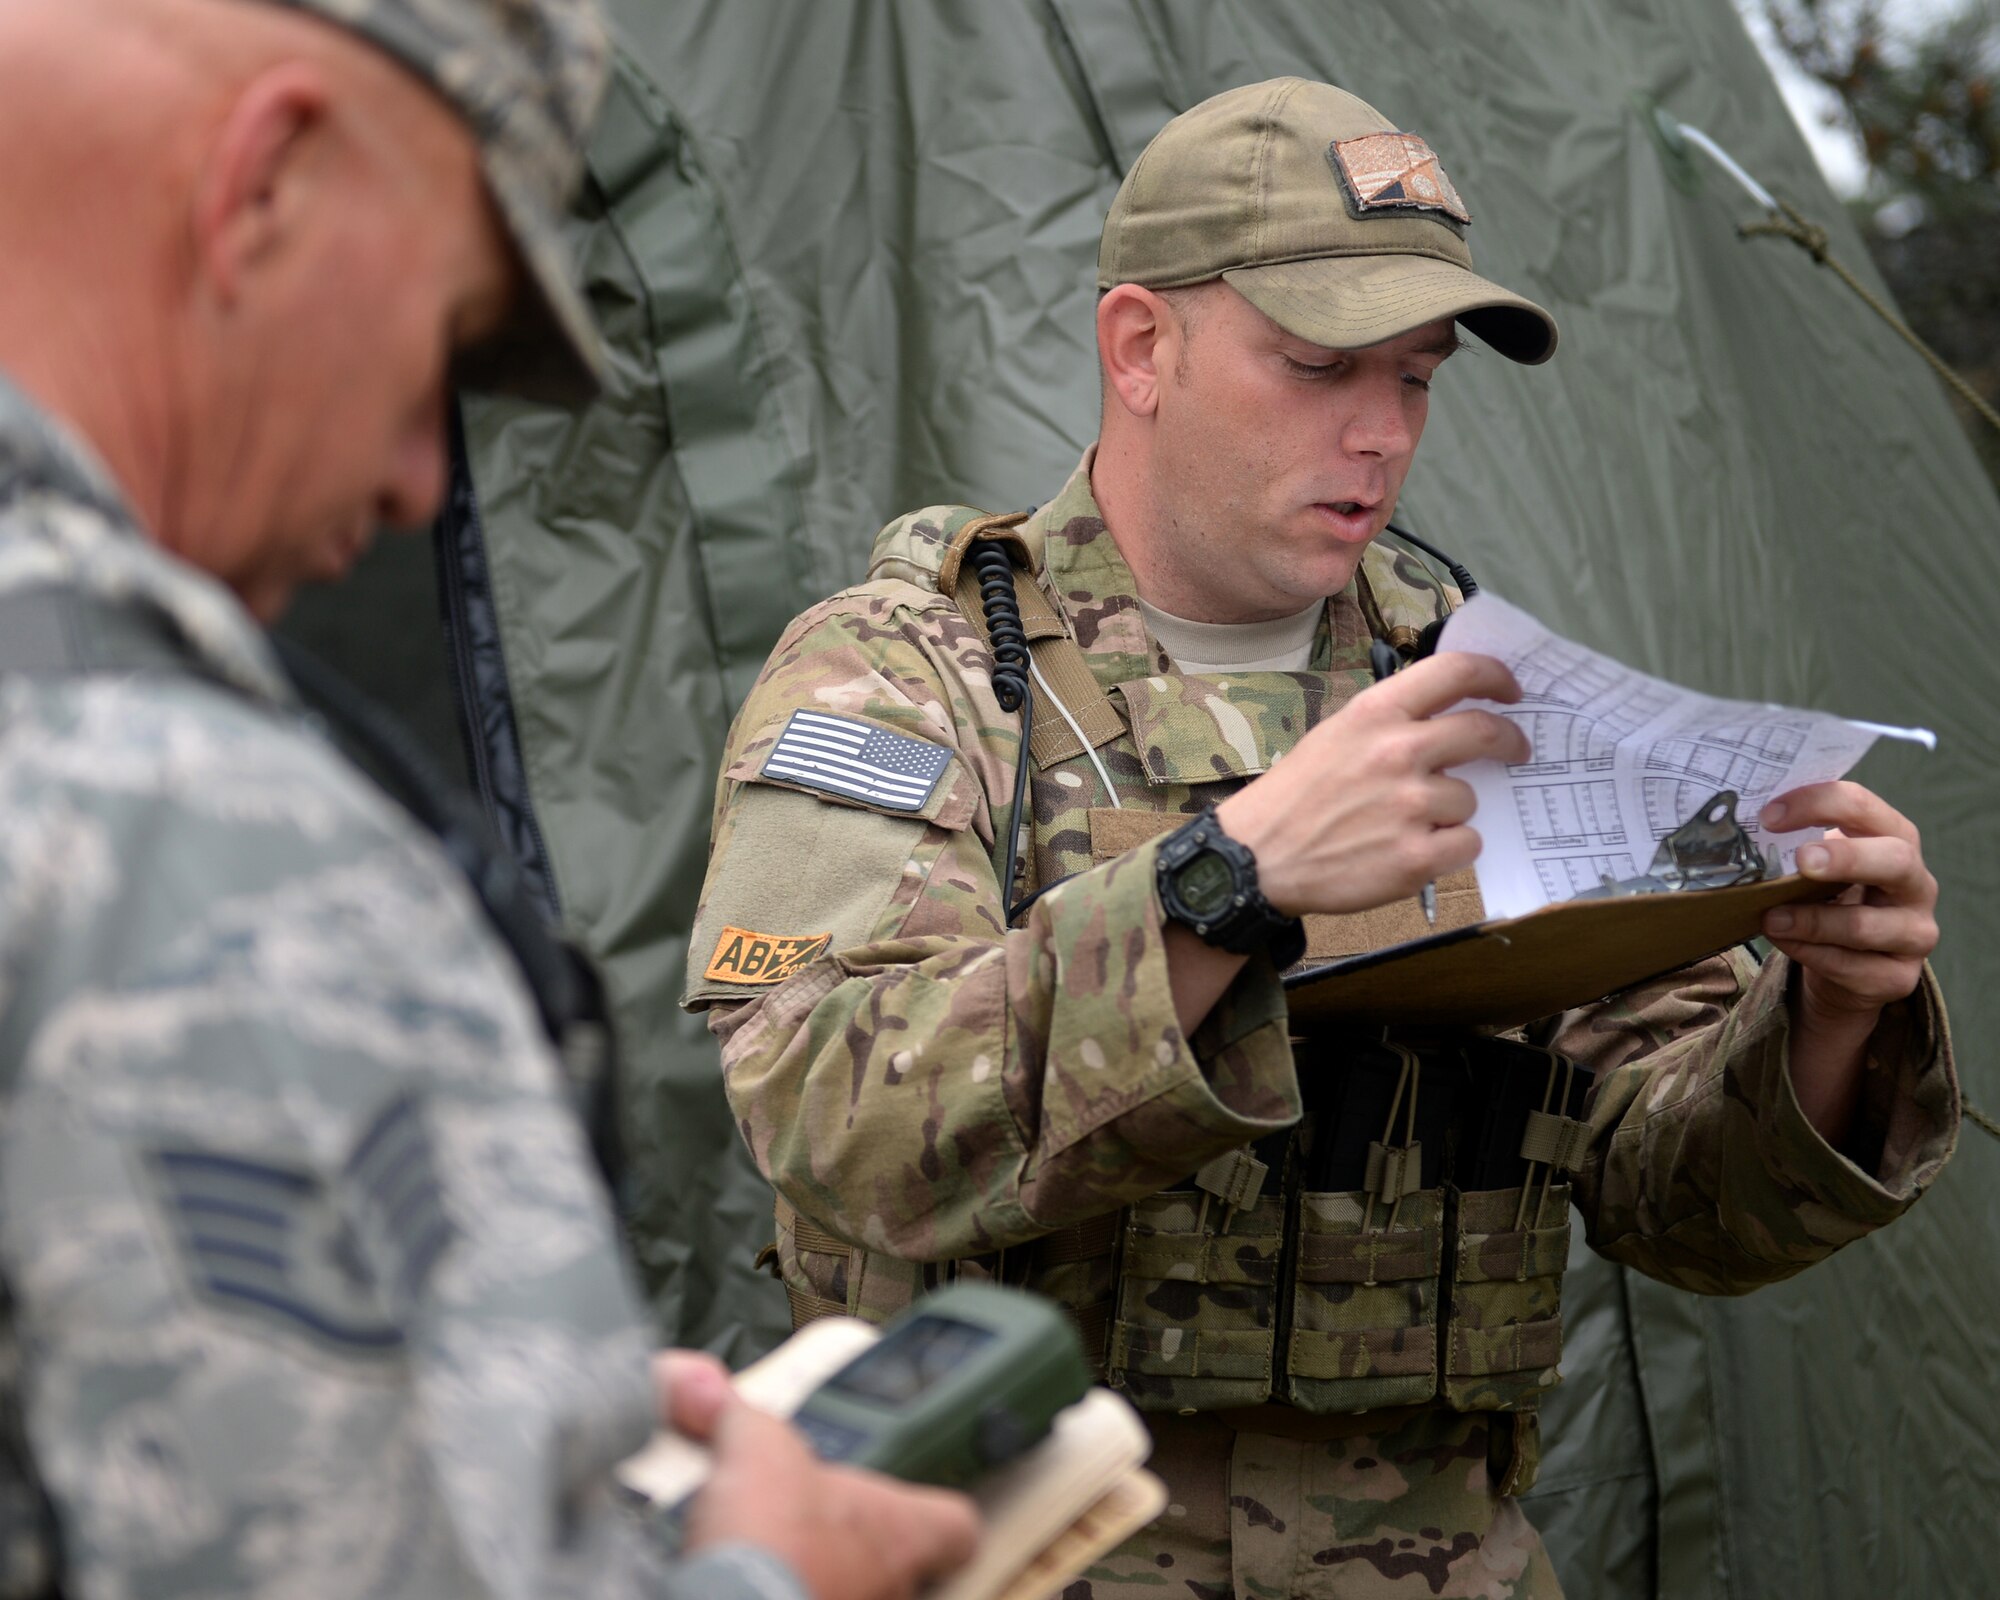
{"x": 526, "y": 75}
{"x": 1323, "y": 214}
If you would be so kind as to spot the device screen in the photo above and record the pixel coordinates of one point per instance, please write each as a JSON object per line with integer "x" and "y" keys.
{"x": 907, "y": 1363}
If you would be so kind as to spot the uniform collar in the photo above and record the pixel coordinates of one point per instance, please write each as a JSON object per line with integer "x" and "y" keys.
{"x": 64, "y": 522}
{"x": 1090, "y": 579}
{"x": 1187, "y": 728}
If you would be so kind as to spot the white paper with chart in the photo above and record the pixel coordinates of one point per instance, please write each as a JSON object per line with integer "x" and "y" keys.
{"x": 1620, "y": 759}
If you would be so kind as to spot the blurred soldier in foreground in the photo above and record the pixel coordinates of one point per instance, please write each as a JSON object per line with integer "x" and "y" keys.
{"x": 1333, "y": 1281}
{"x": 306, "y": 1286}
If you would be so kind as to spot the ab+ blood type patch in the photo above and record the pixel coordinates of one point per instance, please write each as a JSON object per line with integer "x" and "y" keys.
{"x": 762, "y": 958}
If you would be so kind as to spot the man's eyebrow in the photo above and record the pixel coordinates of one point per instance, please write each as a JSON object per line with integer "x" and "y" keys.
{"x": 1446, "y": 344}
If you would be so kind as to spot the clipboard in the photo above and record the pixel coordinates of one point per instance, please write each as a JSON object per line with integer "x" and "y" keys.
{"x": 1510, "y": 971}
{"x": 1708, "y": 888}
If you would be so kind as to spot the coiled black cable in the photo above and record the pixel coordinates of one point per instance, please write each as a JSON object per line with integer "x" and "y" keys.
{"x": 1012, "y": 685}
{"x": 1459, "y": 575}
{"x": 1427, "y": 641}
{"x": 1009, "y": 639}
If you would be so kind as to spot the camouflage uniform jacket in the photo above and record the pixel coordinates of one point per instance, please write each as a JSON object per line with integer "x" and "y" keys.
{"x": 926, "y": 1085}
{"x": 306, "y": 1283}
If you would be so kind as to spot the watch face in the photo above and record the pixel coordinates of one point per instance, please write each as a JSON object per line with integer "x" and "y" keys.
{"x": 1206, "y": 885}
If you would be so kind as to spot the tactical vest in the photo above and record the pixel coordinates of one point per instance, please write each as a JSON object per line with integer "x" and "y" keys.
{"x": 1401, "y": 1247}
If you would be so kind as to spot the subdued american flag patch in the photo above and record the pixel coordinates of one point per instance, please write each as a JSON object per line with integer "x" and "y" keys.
{"x": 1394, "y": 172}
{"x": 857, "y": 760}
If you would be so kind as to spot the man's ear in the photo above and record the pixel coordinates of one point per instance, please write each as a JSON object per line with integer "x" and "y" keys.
{"x": 255, "y": 183}
{"x": 1134, "y": 329}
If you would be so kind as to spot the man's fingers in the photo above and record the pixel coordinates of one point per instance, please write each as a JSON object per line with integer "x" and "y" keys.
{"x": 1438, "y": 683}
{"x": 1885, "y": 930}
{"x": 1843, "y": 805}
{"x": 1448, "y": 849}
{"x": 941, "y": 1529}
{"x": 1450, "y": 801}
{"x": 1869, "y": 979}
{"x": 692, "y": 1390}
{"x": 1894, "y": 865}
{"x": 758, "y": 1442}
{"x": 1457, "y": 737}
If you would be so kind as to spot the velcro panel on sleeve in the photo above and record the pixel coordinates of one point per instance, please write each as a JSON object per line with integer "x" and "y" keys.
{"x": 858, "y": 761}
{"x": 792, "y": 880}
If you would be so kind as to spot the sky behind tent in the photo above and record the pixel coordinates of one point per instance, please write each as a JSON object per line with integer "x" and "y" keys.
{"x": 1816, "y": 108}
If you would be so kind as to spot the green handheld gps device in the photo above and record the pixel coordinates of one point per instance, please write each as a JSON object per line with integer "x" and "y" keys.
{"x": 961, "y": 1383}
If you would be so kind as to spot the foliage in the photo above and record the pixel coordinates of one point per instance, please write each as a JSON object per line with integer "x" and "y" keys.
{"x": 1925, "y": 102}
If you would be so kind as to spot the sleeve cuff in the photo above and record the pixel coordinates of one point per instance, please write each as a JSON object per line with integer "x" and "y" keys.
{"x": 1905, "y": 1120}
{"x": 736, "y": 1572}
{"x": 1231, "y": 1083}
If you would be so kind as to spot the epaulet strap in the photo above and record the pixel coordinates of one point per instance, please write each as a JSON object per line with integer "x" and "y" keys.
{"x": 1001, "y": 528}
{"x": 54, "y": 631}
{"x": 1057, "y": 656}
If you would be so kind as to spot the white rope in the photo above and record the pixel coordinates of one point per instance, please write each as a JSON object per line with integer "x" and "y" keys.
{"x": 1723, "y": 159}
{"x": 1075, "y": 728}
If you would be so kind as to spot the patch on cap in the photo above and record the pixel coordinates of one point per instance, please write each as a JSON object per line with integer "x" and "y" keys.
{"x": 1394, "y": 172}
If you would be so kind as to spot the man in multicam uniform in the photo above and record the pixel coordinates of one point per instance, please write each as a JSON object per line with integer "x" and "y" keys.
{"x": 306, "y": 1285}
{"x": 1096, "y": 1101}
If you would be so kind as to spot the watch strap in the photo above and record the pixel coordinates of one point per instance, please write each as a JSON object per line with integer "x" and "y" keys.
{"x": 1249, "y": 922}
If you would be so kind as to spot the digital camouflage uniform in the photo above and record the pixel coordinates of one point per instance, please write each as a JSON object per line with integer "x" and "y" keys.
{"x": 945, "y": 1095}
{"x": 307, "y": 1286}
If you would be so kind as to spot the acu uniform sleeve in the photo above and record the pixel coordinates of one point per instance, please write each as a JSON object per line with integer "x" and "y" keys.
{"x": 906, "y": 1070}
{"x": 1703, "y": 1171}
{"x": 315, "y": 1289}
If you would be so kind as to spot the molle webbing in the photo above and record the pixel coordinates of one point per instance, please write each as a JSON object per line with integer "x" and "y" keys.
{"x": 1404, "y": 1249}
{"x": 1090, "y": 1240}
{"x": 809, "y": 1235}
{"x": 1056, "y": 655}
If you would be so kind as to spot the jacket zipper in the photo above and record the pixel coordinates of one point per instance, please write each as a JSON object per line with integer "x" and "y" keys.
{"x": 458, "y": 658}
{"x": 454, "y": 546}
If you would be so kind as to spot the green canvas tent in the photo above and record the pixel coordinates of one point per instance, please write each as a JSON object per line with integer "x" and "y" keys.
{"x": 843, "y": 252}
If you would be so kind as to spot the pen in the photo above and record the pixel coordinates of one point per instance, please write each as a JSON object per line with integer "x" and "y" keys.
{"x": 1382, "y": 659}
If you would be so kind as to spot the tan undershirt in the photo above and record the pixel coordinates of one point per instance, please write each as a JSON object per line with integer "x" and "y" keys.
{"x": 1284, "y": 644}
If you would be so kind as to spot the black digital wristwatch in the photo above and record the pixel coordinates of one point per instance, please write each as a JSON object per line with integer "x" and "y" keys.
{"x": 1207, "y": 882}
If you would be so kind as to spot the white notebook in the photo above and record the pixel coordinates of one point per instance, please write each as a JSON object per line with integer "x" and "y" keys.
{"x": 1072, "y": 1498}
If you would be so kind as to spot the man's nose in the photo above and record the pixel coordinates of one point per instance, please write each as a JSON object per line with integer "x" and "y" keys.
{"x": 414, "y": 487}
{"x": 1379, "y": 424}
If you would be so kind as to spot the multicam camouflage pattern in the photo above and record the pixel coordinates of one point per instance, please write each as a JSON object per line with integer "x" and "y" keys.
{"x": 1503, "y": 1329}
{"x": 1703, "y": 1172}
{"x": 527, "y": 76}
{"x": 1195, "y": 1320}
{"x": 945, "y": 1096}
{"x": 1260, "y": 1517}
{"x": 1365, "y": 1301}
{"x": 306, "y": 1283}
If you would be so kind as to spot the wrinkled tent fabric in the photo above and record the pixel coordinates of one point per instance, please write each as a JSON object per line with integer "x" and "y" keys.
{"x": 843, "y": 252}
